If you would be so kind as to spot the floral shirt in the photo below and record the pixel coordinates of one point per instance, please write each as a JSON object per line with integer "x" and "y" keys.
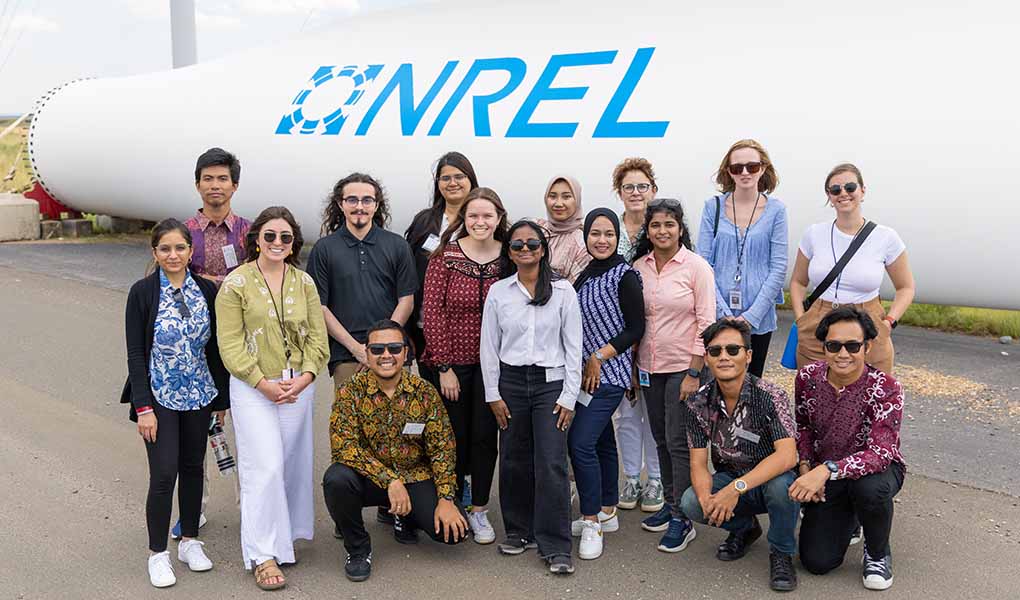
{"x": 857, "y": 427}
{"x": 369, "y": 433}
{"x": 178, "y": 372}
{"x": 210, "y": 240}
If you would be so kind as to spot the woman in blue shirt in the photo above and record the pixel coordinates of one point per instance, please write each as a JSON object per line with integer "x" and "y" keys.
{"x": 743, "y": 236}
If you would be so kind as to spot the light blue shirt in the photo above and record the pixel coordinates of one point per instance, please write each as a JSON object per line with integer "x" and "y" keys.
{"x": 764, "y": 266}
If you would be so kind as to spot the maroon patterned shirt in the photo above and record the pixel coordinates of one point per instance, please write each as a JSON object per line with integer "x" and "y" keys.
{"x": 857, "y": 427}
{"x": 211, "y": 262}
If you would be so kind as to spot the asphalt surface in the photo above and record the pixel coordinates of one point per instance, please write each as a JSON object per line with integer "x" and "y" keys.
{"x": 73, "y": 477}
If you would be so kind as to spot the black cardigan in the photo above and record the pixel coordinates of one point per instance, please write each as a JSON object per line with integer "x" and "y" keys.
{"x": 139, "y": 322}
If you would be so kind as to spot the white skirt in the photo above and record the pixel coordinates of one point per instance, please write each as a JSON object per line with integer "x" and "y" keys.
{"x": 274, "y": 467}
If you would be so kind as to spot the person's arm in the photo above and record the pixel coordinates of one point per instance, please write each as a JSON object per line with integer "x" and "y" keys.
{"x": 765, "y": 302}
{"x": 212, "y": 358}
{"x": 405, "y": 305}
{"x": 798, "y": 284}
{"x": 706, "y": 249}
{"x": 903, "y": 280}
{"x": 230, "y": 334}
{"x": 433, "y": 311}
{"x": 488, "y": 352}
{"x": 138, "y": 371}
{"x": 697, "y": 441}
{"x": 345, "y": 442}
{"x": 440, "y": 445}
{"x": 703, "y": 282}
{"x": 338, "y": 332}
{"x": 407, "y": 284}
{"x": 805, "y": 432}
{"x": 632, "y": 304}
{"x": 315, "y": 352}
{"x": 570, "y": 337}
{"x": 883, "y": 444}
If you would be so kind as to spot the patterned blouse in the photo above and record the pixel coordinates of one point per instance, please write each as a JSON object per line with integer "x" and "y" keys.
{"x": 366, "y": 433}
{"x": 858, "y": 426}
{"x": 178, "y": 372}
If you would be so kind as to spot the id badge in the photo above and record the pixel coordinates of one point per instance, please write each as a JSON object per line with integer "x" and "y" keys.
{"x": 736, "y": 300}
{"x": 742, "y": 433}
{"x": 644, "y": 379}
{"x": 583, "y": 398}
{"x": 229, "y": 256}
{"x": 287, "y": 374}
{"x": 413, "y": 429}
{"x": 431, "y": 243}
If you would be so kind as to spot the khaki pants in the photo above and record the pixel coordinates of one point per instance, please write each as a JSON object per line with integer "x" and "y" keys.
{"x": 809, "y": 348}
{"x": 343, "y": 372}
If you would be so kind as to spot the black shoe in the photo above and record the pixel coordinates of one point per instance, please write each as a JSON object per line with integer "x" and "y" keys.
{"x": 384, "y": 516}
{"x": 877, "y": 572}
{"x": 782, "y": 575}
{"x": 337, "y": 533}
{"x": 738, "y": 542}
{"x": 560, "y": 565}
{"x": 404, "y": 531}
{"x": 515, "y": 545}
{"x": 358, "y": 568}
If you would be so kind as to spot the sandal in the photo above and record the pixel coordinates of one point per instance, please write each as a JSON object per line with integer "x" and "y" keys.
{"x": 266, "y": 571}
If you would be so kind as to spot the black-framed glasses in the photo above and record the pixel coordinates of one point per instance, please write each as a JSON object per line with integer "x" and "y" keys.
{"x": 394, "y": 348}
{"x": 459, "y": 177}
{"x": 182, "y": 306}
{"x": 630, "y": 188}
{"x": 851, "y": 187}
{"x": 731, "y": 349}
{"x": 519, "y": 245}
{"x": 751, "y": 167}
{"x": 364, "y": 200}
{"x": 667, "y": 202}
{"x": 834, "y": 347}
{"x": 285, "y": 238}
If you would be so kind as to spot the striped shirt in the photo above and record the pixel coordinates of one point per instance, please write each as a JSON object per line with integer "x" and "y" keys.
{"x": 603, "y": 321}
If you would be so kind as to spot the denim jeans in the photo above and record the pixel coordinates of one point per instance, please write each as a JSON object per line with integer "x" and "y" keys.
{"x": 772, "y": 497}
{"x": 592, "y": 443}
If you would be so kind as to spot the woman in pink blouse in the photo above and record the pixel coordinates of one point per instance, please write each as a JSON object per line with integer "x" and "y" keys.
{"x": 568, "y": 253}
{"x": 457, "y": 280}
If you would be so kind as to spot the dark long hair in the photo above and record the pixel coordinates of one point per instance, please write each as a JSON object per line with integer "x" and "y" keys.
{"x": 666, "y": 206}
{"x": 251, "y": 241}
{"x": 546, "y": 274}
{"x": 333, "y": 213}
{"x": 162, "y": 228}
{"x": 429, "y": 220}
{"x": 456, "y": 230}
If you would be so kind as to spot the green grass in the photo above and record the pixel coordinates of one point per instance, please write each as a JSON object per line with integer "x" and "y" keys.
{"x": 9, "y": 146}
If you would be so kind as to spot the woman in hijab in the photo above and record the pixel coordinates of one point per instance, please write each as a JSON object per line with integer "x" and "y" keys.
{"x": 613, "y": 321}
{"x": 566, "y": 242}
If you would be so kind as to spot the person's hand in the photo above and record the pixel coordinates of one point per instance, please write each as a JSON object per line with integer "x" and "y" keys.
{"x": 449, "y": 385}
{"x": 360, "y": 354}
{"x": 688, "y": 386}
{"x": 739, "y": 319}
{"x": 293, "y": 387}
{"x": 271, "y": 390}
{"x": 502, "y": 413}
{"x": 147, "y": 427}
{"x": 220, "y": 417}
{"x": 810, "y": 487}
{"x": 885, "y": 325}
{"x": 707, "y": 504}
{"x": 565, "y": 417}
{"x": 400, "y": 502}
{"x": 724, "y": 503}
{"x": 592, "y": 375}
{"x": 449, "y": 521}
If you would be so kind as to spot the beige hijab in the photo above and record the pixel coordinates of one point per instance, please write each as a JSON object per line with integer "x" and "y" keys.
{"x": 576, "y": 221}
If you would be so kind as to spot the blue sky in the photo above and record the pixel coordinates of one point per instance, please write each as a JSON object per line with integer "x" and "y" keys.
{"x": 44, "y": 43}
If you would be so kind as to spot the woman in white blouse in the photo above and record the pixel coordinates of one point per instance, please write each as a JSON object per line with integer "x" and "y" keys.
{"x": 531, "y": 366}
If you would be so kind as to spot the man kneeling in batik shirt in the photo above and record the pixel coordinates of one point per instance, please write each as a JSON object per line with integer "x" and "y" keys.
{"x": 751, "y": 430}
{"x": 848, "y": 422}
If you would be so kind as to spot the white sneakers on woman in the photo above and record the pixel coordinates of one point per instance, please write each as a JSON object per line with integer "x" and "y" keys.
{"x": 189, "y": 552}
{"x": 480, "y": 527}
{"x": 609, "y": 523}
{"x": 590, "y": 547}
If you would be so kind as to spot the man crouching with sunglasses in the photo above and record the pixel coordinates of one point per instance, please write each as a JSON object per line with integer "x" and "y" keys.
{"x": 748, "y": 423}
{"x": 392, "y": 446}
{"x": 848, "y": 423}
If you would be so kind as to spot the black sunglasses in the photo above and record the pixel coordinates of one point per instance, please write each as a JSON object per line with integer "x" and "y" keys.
{"x": 182, "y": 306}
{"x": 393, "y": 348}
{"x": 285, "y": 238}
{"x": 752, "y": 168}
{"x": 731, "y": 349}
{"x": 849, "y": 187}
{"x": 834, "y": 347}
{"x": 667, "y": 202}
{"x": 532, "y": 244}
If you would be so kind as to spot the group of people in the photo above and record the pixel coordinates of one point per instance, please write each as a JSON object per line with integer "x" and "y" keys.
{"x": 569, "y": 344}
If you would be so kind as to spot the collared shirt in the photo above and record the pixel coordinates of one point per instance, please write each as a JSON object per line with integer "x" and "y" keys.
{"x": 521, "y": 334}
{"x": 742, "y": 440}
{"x": 178, "y": 372}
{"x": 367, "y": 432}
{"x": 210, "y": 260}
{"x": 361, "y": 281}
{"x": 857, "y": 427}
{"x": 679, "y": 305}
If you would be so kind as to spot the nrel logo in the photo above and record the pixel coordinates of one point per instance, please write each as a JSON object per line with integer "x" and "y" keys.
{"x": 411, "y": 114}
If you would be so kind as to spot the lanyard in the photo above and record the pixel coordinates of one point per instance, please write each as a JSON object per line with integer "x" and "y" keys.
{"x": 742, "y": 244}
{"x": 832, "y": 245}
{"x": 279, "y": 314}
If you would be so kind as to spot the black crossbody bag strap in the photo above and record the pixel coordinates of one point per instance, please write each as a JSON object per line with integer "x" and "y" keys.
{"x": 855, "y": 245}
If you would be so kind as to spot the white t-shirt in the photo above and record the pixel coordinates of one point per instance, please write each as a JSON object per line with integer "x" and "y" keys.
{"x": 862, "y": 277}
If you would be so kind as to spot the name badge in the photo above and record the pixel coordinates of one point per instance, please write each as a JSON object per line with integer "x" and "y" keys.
{"x": 287, "y": 374}
{"x": 413, "y": 429}
{"x": 555, "y": 374}
{"x": 644, "y": 379}
{"x": 583, "y": 398}
{"x": 741, "y": 433}
{"x": 431, "y": 243}
{"x": 229, "y": 256}
{"x": 736, "y": 300}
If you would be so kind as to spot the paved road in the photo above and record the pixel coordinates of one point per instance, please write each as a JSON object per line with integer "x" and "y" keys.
{"x": 73, "y": 478}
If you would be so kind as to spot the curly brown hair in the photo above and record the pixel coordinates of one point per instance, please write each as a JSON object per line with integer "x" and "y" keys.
{"x": 333, "y": 214}
{"x": 769, "y": 179}
{"x": 251, "y": 241}
{"x": 633, "y": 164}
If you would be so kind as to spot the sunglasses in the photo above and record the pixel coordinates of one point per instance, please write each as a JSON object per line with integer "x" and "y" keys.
{"x": 394, "y": 348}
{"x": 532, "y": 244}
{"x": 285, "y": 238}
{"x": 629, "y": 188}
{"x": 667, "y": 202}
{"x": 731, "y": 349}
{"x": 834, "y": 347}
{"x": 182, "y": 306}
{"x": 752, "y": 168}
{"x": 849, "y": 187}
{"x": 364, "y": 200}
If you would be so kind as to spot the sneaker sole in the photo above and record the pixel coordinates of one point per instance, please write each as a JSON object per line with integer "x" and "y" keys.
{"x": 690, "y": 537}
{"x": 165, "y": 585}
{"x": 357, "y": 578}
{"x": 561, "y": 570}
{"x": 627, "y": 505}
{"x": 200, "y": 569}
{"x": 514, "y": 550}
{"x": 655, "y": 528}
{"x": 584, "y": 556}
{"x": 878, "y": 585}
{"x": 653, "y": 507}
{"x": 483, "y": 541}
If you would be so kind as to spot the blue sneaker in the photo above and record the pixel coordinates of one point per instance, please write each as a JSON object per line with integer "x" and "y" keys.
{"x": 680, "y": 533}
{"x": 175, "y": 533}
{"x": 659, "y": 520}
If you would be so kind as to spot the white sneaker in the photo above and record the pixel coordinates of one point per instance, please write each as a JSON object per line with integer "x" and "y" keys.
{"x": 609, "y": 523}
{"x": 190, "y": 553}
{"x": 161, "y": 572}
{"x": 480, "y": 526}
{"x": 591, "y": 541}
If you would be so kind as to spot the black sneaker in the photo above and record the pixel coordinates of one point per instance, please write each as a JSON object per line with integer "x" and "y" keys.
{"x": 782, "y": 575}
{"x": 738, "y": 542}
{"x": 877, "y": 572}
{"x": 384, "y": 516}
{"x": 560, "y": 565}
{"x": 857, "y": 536}
{"x": 404, "y": 531}
{"x": 337, "y": 533}
{"x": 358, "y": 568}
{"x": 514, "y": 545}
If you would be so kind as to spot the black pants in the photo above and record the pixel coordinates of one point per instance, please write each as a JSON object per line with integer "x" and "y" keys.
{"x": 474, "y": 427}
{"x": 666, "y": 418}
{"x": 177, "y": 454}
{"x": 827, "y": 526}
{"x": 347, "y": 492}
{"x": 760, "y": 351}
{"x": 534, "y": 490}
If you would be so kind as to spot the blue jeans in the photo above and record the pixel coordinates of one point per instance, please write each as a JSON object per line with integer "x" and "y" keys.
{"x": 772, "y": 498}
{"x": 592, "y": 444}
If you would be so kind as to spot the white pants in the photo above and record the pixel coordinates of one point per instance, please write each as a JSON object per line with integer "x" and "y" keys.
{"x": 274, "y": 465}
{"x": 634, "y": 435}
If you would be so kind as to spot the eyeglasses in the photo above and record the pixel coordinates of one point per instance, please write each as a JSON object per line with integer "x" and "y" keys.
{"x": 532, "y": 244}
{"x": 459, "y": 177}
{"x": 285, "y": 238}
{"x": 364, "y": 200}
{"x": 834, "y": 347}
{"x": 394, "y": 348}
{"x": 629, "y": 188}
{"x": 182, "y": 306}
{"x": 667, "y": 202}
{"x": 165, "y": 250}
{"x": 849, "y": 187}
{"x": 731, "y": 349}
{"x": 751, "y": 167}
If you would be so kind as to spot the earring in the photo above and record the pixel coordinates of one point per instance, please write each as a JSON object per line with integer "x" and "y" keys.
{"x": 258, "y": 249}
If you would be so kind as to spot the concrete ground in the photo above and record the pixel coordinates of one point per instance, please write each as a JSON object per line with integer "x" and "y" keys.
{"x": 73, "y": 476}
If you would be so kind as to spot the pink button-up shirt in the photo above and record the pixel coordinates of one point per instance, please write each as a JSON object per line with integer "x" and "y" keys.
{"x": 679, "y": 305}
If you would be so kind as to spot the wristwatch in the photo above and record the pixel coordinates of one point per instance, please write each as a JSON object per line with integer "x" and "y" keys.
{"x": 833, "y": 469}
{"x": 443, "y": 368}
{"x": 695, "y": 373}
{"x": 598, "y": 355}
{"x": 740, "y": 485}
{"x": 891, "y": 321}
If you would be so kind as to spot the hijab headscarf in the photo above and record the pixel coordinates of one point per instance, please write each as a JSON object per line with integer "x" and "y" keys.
{"x": 575, "y": 221}
{"x": 600, "y": 266}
